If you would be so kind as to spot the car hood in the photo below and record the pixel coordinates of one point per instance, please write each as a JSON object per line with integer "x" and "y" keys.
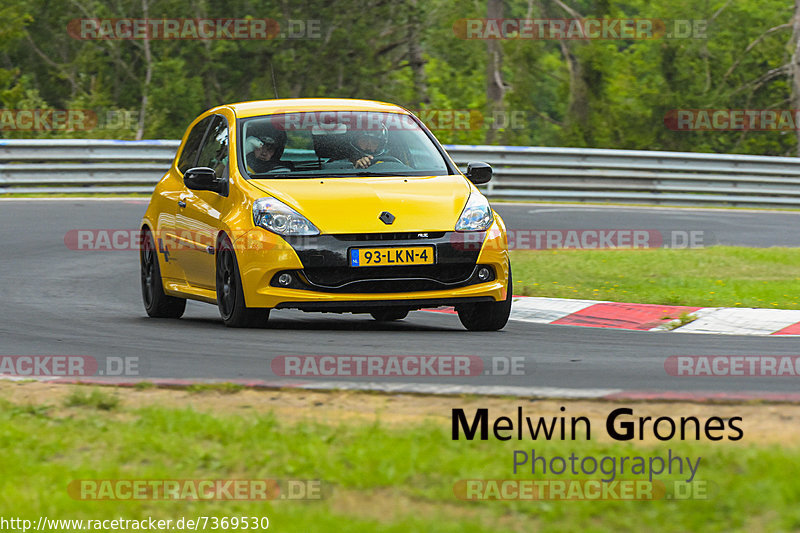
{"x": 353, "y": 205}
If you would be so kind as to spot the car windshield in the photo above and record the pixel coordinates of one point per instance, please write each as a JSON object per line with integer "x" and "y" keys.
{"x": 337, "y": 143}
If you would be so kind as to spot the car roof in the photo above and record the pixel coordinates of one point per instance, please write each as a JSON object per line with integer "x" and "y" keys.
{"x": 295, "y": 105}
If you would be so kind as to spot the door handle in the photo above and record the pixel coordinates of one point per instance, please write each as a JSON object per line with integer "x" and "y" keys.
{"x": 181, "y": 203}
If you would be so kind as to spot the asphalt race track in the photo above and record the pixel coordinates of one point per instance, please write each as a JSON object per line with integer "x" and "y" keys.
{"x": 727, "y": 227}
{"x": 57, "y": 301}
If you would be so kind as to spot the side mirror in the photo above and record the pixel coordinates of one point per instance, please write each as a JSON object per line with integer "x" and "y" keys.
{"x": 479, "y": 172}
{"x": 202, "y": 179}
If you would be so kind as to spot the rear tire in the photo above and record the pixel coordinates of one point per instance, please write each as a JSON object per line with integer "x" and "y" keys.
{"x": 487, "y": 316}
{"x": 389, "y": 315}
{"x": 156, "y": 302}
{"x": 230, "y": 295}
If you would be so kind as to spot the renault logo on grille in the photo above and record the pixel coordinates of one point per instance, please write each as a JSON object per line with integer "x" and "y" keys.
{"x": 386, "y": 217}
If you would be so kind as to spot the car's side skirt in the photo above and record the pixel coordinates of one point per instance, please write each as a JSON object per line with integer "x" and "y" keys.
{"x": 182, "y": 290}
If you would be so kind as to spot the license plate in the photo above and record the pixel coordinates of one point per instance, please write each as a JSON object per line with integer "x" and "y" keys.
{"x": 413, "y": 255}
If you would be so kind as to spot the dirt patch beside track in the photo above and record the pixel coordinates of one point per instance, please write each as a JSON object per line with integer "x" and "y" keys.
{"x": 762, "y": 423}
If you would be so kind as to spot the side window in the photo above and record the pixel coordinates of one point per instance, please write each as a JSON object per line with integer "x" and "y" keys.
{"x": 214, "y": 153}
{"x": 192, "y": 145}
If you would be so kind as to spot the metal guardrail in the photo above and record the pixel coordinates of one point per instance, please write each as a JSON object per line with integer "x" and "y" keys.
{"x": 53, "y": 166}
{"x": 58, "y": 166}
{"x": 637, "y": 176}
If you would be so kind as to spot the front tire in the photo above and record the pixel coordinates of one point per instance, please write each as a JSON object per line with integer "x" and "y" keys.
{"x": 156, "y": 302}
{"x": 488, "y": 316}
{"x": 230, "y": 295}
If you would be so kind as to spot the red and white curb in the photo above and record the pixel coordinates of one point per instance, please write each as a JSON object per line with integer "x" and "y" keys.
{"x": 651, "y": 317}
{"x": 440, "y": 389}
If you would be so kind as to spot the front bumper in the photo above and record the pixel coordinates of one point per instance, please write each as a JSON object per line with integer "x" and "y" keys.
{"x": 322, "y": 279}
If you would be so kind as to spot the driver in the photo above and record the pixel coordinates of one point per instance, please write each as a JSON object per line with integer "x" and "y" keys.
{"x": 368, "y": 145}
{"x": 263, "y": 152}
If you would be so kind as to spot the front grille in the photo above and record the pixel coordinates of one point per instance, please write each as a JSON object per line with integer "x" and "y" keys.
{"x": 383, "y": 279}
{"x": 404, "y": 236}
{"x": 440, "y": 274}
{"x": 388, "y": 286}
{"x": 326, "y": 263}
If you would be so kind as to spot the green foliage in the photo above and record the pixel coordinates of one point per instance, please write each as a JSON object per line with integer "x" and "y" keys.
{"x": 597, "y": 93}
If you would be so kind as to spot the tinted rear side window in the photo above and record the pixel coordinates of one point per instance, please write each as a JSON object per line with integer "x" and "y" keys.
{"x": 192, "y": 145}
{"x": 214, "y": 153}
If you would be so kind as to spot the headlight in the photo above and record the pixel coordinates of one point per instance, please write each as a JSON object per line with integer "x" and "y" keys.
{"x": 477, "y": 215}
{"x": 277, "y": 217}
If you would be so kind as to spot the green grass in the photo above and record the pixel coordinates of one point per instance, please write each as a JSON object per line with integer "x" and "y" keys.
{"x": 683, "y": 319}
{"x": 222, "y": 388}
{"x": 94, "y": 398}
{"x": 723, "y": 276}
{"x": 411, "y": 471}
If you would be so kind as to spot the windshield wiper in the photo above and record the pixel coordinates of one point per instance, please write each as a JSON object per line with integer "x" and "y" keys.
{"x": 381, "y": 174}
{"x": 284, "y": 175}
{"x": 363, "y": 174}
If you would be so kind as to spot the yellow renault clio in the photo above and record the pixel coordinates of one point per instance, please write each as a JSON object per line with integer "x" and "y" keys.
{"x": 331, "y": 205}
